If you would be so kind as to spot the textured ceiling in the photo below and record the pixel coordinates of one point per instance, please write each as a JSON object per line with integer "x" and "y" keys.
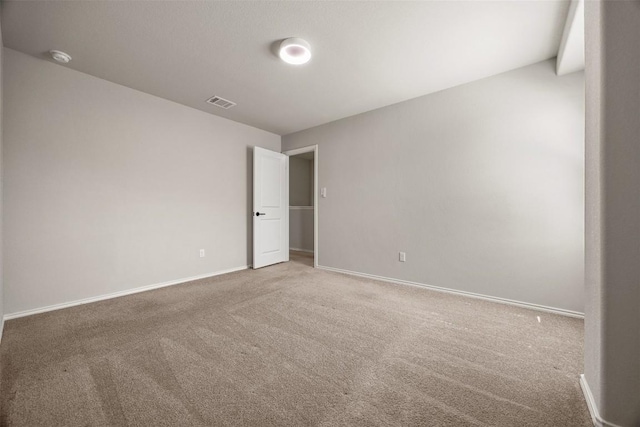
{"x": 365, "y": 54}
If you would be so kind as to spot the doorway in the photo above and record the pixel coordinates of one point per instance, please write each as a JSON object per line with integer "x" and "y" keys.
{"x": 303, "y": 202}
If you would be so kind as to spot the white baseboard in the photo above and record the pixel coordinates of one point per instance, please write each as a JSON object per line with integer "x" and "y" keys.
{"x": 302, "y": 250}
{"x": 591, "y": 404}
{"x": 117, "y": 294}
{"x": 1, "y": 328}
{"x": 554, "y": 310}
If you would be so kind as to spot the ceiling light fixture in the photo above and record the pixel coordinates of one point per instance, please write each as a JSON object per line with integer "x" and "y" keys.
{"x": 295, "y": 51}
{"x": 60, "y": 56}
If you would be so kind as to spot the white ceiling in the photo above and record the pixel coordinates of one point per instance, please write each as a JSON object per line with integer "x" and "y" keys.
{"x": 365, "y": 54}
{"x": 571, "y": 53}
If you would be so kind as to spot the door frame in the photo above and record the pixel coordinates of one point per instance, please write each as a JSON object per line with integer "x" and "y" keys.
{"x": 311, "y": 149}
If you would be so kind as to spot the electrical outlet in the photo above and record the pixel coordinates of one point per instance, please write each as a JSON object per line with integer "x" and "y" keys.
{"x": 403, "y": 256}
{"x": 201, "y": 253}
{"x": 323, "y": 192}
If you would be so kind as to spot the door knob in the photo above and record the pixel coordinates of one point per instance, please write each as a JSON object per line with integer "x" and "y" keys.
{"x": 260, "y": 213}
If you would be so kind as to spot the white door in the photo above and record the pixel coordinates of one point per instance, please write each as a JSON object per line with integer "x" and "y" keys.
{"x": 270, "y": 207}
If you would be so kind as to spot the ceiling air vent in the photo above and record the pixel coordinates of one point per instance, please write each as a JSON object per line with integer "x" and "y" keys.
{"x": 221, "y": 102}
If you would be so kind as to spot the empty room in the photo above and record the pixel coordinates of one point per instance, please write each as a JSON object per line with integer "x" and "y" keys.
{"x": 320, "y": 213}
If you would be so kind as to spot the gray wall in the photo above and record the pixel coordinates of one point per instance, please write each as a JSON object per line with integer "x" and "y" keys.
{"x": 108, "y": 188}
{"x": 1, "y": 197}
{"x": 300, "y": 194}
{"x": 481, "y": 185}
{"x": 612, "y": 313}
{"x": 300, "y": 181}
{"x": 301, "y": 229}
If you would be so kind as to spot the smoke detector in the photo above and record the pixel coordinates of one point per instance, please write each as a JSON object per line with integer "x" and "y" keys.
{"x": 220, "y": 102}
{"x": 60, "y": 56}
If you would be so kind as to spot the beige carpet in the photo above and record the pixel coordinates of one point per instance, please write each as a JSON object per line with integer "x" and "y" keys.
{"x": 291, "y": 345}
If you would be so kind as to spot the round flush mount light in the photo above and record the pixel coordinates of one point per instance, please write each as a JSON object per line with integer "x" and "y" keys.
{"x": 295, "y": 51}
{"x": 60, "y": 56}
